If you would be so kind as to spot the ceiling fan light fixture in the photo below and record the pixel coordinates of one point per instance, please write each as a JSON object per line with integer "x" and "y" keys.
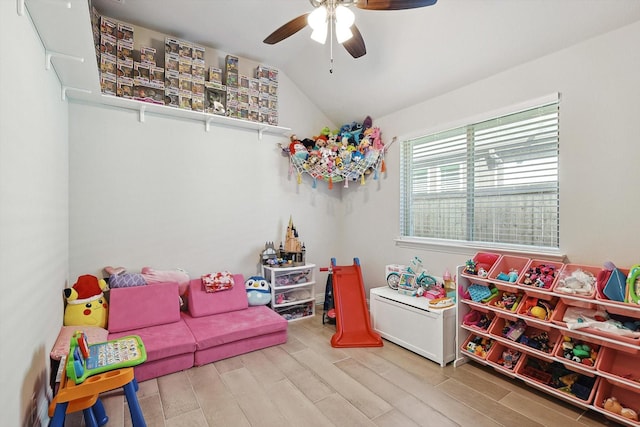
{"x": 318, "y": 18}
{"x": 319, "y": 34}
{"x": 343, "y": 34}
{"x": 345, "y": 18}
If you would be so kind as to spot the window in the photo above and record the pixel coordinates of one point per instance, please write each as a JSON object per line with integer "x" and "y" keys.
{"x": 494, "y": 181}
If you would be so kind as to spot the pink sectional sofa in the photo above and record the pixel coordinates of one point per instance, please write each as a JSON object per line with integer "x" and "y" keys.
{"x": 216, "y": 326}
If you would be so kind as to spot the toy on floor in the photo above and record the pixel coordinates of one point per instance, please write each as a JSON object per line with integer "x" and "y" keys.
{"x": 258, "y": 290}
{"x": 86, "y": 304}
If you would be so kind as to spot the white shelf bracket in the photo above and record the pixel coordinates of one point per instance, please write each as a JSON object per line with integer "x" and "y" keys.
{"x": 50, "y": 54}
{"x": 260, "y": 132}
{"x": 68, "y": 88}
{"x": 141, "y": 114}
{"x": 20, "y": 6}
{"x": 207, "y": 125}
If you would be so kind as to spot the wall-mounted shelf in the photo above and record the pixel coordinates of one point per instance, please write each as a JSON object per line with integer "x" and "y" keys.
{"x": 65, "y": 30}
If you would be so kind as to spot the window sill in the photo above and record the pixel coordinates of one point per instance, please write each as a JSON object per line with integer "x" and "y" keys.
{"x": 458, "y": 248}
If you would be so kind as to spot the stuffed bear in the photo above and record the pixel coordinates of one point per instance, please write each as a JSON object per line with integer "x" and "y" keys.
{"x": 258, "y": 290}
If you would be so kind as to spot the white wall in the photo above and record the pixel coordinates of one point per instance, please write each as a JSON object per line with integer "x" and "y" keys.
{"x": 165, "y": 193}
{"x": 33, "y": 214}
{"x": 599, "y": 149}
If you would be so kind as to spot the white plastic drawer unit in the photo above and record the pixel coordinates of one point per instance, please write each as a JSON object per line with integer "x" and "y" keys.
{"x": 409, "y": 322}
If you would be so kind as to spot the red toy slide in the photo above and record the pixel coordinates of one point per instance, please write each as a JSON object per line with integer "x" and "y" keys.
{"x": 353, "y": 325}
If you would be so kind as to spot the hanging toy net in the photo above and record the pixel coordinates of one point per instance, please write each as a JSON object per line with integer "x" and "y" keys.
{"x": 347, "y": 156}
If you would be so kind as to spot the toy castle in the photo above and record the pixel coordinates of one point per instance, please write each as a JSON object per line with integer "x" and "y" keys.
{"x": 293, "y": 251}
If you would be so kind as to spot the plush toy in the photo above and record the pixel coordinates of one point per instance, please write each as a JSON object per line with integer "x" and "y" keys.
{"x": 258, "y": 290}
{"x": 86, "y": 304}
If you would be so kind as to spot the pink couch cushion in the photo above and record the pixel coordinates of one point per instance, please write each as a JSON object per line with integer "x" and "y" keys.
{"x": 143, "y": 306}
{"x": 202, "y": 303}
{"x": 160, "y": 342}
{"x": 218, "y": 329}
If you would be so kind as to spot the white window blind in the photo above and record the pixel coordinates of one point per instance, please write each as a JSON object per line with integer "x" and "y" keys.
{"x": 494, "y": 181}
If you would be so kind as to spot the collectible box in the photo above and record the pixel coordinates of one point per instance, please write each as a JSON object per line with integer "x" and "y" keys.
{"x": 232, "y": 110}
{"x": 172, "y": 63}
{"x": 184, "y": 100}
{"x": 263, "y": 100}
{"x": 215, "y": 75}
{"x": 197, "y": 103}
{"x": 156, "y": 75}
{"x": 124, "y": 87}
{"x": 273, "y": 118}
{"x": 125, "y": 32}
{"x": 108, "y": 27}
{"x": 253, "y": 113}
{"x": 263, "y": 86}
{"x": 185, "y": 83}
{"x": 148, "y": 92}
{"x": 254, "y": 99}
{"x": 108, "y": 84}
{"x": 231, "y": 64}
{"x": 262, "y": 72}
{"x": 95, "y": 19}
{"x": 273, "y": 88}
{"x": 125, "y": 50}
{"x": 185, "y": 49}
{"x": 232, "y": 95}
{"x": 108, "y": 65}
{"x": 215, "y": 98}
{"x": 108, "y": 45}
{"x": 197, "y": 87}
{"x": 243, "y": 111}
{"x": 148, "y": 55}
{"x": 254, "y": 85}
{"x": 171, "y": 46}
{"x": 273, "y": 102}
{"x": 171, "y": 97}
{"x": 171, "y": 80}
{"x": 125, "y": 69}
{"x": 263, "y": 115}
{"x": 141, "y": 72}
{"x": 243, "y": 97}
{"x": 198, "y": 55}
{"x": 184, "y": 67}
{"x": 273, "y": 74}
{"x": 243, "y": 82}
{"x": 231, "y": 80}
{"x": 197, "y": 71}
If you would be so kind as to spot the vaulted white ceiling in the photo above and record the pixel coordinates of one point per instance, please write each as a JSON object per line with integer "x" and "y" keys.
{"x": 412, "y": 55}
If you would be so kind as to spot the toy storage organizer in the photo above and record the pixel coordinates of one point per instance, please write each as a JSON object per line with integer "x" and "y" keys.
{"x": 292, "y": 290}
{"x": 521, "y": 331}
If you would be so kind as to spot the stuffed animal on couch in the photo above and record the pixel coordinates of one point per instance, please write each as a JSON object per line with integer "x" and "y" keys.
{"x": 258, "y": 290}
{"x": 86, "y": 304}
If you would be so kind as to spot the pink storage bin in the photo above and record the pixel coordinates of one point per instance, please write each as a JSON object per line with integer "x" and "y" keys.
{"x": 589, "y": 383}
{"x": 571, "y": 363}
{"x": 504, "y": 357}
{"x": 621, "y": 365}
{"x": 564, "y": 281}
{"x": 477, "y": 319}
{"x": 628, "y": 398}
{"x": 544, "y": 304}
{"x": 484, "y": 260}
{"x": 505, "y": 265}
{"x": 482, "y": 356}
{"x": 498, "y": 330}
{"x": 530, "y": 274}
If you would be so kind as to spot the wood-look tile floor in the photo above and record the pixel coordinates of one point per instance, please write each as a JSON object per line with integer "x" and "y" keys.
{"x": 306, "y": 382}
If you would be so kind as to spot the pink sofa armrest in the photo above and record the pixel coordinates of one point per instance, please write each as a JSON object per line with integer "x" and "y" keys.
{"x": 143, "y": 306}
{"x": 202, "y": 303}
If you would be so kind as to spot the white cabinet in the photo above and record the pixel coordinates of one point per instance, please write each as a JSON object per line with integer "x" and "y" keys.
{"x": 292, "y": 290}
{"x": 411, "y": 323}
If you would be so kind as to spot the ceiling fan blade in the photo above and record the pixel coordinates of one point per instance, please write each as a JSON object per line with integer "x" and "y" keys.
{"x": 393, "y": 4}
{"x": 355, "y": 45}
{"x": 288, "y": 29}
